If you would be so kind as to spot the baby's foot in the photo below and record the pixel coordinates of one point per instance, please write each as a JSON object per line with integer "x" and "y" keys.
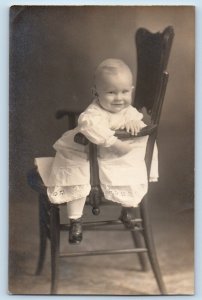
{"x": 126, "y": 217}
{"x": 75, "y": 231}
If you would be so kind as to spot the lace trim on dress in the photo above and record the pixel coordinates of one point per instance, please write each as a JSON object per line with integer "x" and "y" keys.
{"x": 125, "y": 195}
{"x": 65, "y": 194}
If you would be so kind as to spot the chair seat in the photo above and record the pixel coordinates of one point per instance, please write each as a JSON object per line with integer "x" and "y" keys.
{"x": 35, "y": 181}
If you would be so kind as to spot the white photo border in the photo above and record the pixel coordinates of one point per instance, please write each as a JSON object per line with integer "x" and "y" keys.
{"x": 4, "y": 96}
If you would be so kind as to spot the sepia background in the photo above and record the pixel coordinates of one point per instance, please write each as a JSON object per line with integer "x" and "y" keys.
{"x": 53, "y": 54}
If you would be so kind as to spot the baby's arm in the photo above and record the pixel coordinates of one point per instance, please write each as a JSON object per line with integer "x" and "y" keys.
{"x": 93, "y": 123}
{"x": 96, "y": 130}
{"x": 133, "y": 121}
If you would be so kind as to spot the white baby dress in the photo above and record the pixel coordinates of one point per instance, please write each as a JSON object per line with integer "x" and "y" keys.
{"x": 123, "y": 178}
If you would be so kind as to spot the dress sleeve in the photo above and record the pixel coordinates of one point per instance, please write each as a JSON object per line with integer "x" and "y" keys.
{"x": 134, "y": 114}
{"x": 93, "y": 123}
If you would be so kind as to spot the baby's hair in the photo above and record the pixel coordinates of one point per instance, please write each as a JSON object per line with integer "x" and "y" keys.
{"x": 111, "y": 66}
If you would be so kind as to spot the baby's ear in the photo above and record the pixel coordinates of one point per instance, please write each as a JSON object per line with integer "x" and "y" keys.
{"x": 94, "y": 91}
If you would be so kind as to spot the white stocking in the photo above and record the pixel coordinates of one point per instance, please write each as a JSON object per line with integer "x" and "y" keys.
{"x": 75, "y": 208}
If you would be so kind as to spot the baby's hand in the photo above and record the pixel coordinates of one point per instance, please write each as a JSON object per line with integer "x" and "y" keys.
{"x": 134, "y": 127}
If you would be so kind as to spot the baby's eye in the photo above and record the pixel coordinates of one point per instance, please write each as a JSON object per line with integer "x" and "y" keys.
{"x": 125, "y": 91}
{"x": 111, "y": 92}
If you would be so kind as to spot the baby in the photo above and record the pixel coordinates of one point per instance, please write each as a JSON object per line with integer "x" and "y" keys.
{"x": 122, "y": 169}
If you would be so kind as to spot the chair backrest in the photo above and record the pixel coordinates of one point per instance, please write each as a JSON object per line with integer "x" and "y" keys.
{"x": 153, "y": 50}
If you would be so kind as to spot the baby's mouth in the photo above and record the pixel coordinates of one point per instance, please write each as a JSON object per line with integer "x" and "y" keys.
{"x": 118, "y": 103}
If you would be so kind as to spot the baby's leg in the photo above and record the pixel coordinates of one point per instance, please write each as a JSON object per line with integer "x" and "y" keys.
{"x": 75, "y": 208}
{"x": 74, "y": 212}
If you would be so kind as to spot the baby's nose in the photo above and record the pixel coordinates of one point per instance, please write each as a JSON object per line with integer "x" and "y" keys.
{"x": 118, "y": 96}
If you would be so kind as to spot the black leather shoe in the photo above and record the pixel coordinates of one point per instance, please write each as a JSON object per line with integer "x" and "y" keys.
{"x": 75, "y": 231}
{"x": 126, "y": 217}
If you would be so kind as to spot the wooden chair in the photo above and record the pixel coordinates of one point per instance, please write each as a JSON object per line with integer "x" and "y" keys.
{"x": 153, "y": 51}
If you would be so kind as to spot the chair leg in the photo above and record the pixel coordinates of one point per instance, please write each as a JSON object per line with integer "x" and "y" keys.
{"x": 138, "y": 242}
{"x": 55, "y": 240}
{"x": 43, "y": 233}
{"x": 150, "y": 246}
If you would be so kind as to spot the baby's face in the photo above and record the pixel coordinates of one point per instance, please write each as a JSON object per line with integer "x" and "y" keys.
{"x": 115, "y": 91}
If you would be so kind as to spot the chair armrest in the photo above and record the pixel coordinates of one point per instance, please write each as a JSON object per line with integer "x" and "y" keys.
{"x": 147, "y": 130}
{"x": 80, "y": 138}
{"x": 121, "y": 134}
